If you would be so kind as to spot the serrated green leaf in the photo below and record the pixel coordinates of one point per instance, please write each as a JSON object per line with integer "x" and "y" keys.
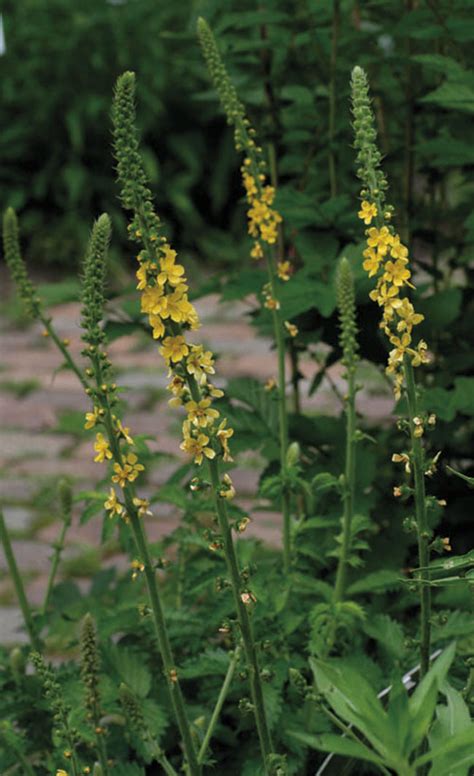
{"x": 375, "y": 582}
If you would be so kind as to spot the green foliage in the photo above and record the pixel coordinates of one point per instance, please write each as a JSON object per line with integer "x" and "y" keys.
{"x": 289, "y": 70}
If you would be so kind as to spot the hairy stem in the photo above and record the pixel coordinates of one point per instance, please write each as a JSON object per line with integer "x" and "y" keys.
{"x": 421, "y": 519}
{"x": 245, "y": 624}
{"x": 219, "y": 704}
{"x": 58, "y": 548}
{"x": 62, "y": 347}
{"x": 18, "y": 585}
{"x": 349, "y": 487}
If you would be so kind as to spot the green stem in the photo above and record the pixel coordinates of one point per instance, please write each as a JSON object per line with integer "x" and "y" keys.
{"x": 62, "y": 347}
{"x": 243, "y": 616}
{"x": 18, "y": 584}
{"x": 219, "y": 704}
{"x": 245, "y": 624}
{"x": 332, "y": 98}
{"x": 162, "y": 637}
{"x": 58, "y": 548}
{"x": 349, "y": 487}
{"x": 421, "y": 519}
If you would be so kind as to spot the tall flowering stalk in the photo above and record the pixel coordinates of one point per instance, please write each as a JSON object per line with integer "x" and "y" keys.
{"x": 386, "y": 259}
{"x": 90, "y": 675}
{"x": 348, "y": 342}
{"x": 263, "y": 225}
{"x": 114, "y": 443}
{"x": 27, "y": 292}
{"x": 67, "y": 735}
{"x": 171, "y": 315}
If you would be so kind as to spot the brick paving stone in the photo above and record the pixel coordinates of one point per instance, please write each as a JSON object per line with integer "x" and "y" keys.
{"x": 14, "y": 489}
{"x": 17, "y": 518}
{"x": 11, "y": 627}
{"x": 30, "y": 555}
{"x": 18, "y": 444}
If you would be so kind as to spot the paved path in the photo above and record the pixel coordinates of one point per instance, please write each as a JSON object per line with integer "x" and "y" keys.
{"x": 37, "y": 446}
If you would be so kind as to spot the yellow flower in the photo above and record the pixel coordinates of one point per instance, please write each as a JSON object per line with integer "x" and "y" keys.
{"x": 200, "y": 413}
{"x": 385, "y": 296}
{"x": 268, "y": 232}
{"x": 257, "y": 251}
{"x": 200, "y": 362}
{"x": 268, "y": 195}
{"x": 396, "y": 273}
{"x": 402, "y": 458}
{"x": 196, "y": 446}
{"x": 419, "y": 354}
{"x": 284, "y": 269}
{"x": 291, "y": 329}
{"x": 372, "y": 262}
{"x": 129, "y": 471}
{"x": 101, "y": 446}
{"x": 113, "y": 505}
{"x": 223, "y": 435}
{"x": 227, "y": 489}
{"x": 92, "y": 418}
{"x": 401, "y": 346}
{"x": 153, "y": 301}
{"x": 142, "y": 275}
{"x": 249, "y": 184}
{"x": 157, "y": 325}
{"x": 61, "y": 772}
{"x": 367, "y": 212}
{"x": 379, "y": 239}
{"x": 142, "y": 505}
{"x": 408, "y": 316}
{"x": 124, "y": 432}
{"x": 398, "y": 250}
{"x": 178, "y": 306}
{"x": 271, "y": 303}
{"x": 170, "y": 272}
{"x": 174, "y": 348}
{"x": 216, "y": 393}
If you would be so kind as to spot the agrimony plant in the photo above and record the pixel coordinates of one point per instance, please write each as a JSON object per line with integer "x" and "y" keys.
{"x": 171, "y": 315}
{"x": 90, "y": 675}
{"x": 27, "y": 292}
{"x": 63, "y": 731}
{"x": 263, "y": 226}
{"x": 115, "y": 443}
{"x": 386, "y": 259}
{"x": 348, "y": 342}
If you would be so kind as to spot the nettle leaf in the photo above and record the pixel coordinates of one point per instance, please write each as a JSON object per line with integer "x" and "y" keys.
{"x": 442, "y": 308}
{"x": 453, "y": 95}
{"x": 440, "y": 401}
{"x": 387, "y": 632}
{"x": 458, "y": 624}
{"x": 464, "y": 394}
{"x": 305, "y": 293}
{"x": 128, "y": 769}
{"x": 375, "y": 582}
{"x": 273, "y": 700}
{"x": 131, "y": 669}
{"x": 210, "y": 663}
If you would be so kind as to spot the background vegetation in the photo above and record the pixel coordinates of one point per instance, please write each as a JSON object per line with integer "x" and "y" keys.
{"x": 291, "y": 62}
